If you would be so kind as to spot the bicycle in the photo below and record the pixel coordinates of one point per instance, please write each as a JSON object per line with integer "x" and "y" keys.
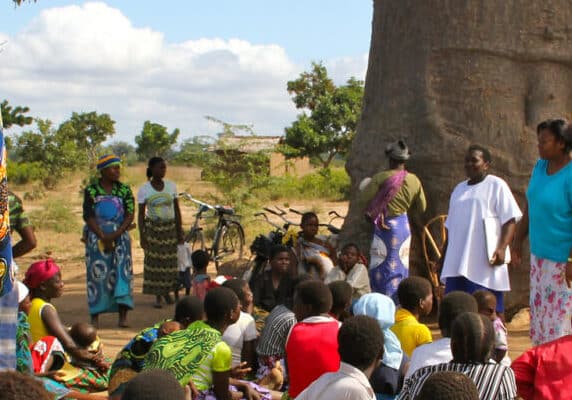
{"x": 228, "y": 238}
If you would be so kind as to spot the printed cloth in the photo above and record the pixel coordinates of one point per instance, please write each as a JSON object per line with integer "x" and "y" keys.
{"x": 550, "y": 300}
{"x": 109, "y": 275}
{"x": 389, "y": 256}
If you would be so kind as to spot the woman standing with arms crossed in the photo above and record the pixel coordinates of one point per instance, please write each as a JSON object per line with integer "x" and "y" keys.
{"x": 548, "y": 219}
{"x": 160, "y": 230}
{"x": 389, "y": 196}
{"x": 108, "y": 208}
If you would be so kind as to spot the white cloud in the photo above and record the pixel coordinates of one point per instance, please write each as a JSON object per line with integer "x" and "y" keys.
{"x": 91, "y": 57}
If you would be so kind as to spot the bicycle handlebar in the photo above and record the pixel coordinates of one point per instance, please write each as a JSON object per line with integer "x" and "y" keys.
{"x": 189, "y": 197}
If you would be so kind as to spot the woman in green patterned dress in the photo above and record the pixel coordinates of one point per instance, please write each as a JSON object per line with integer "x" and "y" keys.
{"x": 108, "y": 209}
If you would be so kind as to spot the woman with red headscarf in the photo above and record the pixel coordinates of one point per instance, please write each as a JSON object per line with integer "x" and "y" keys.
{"x": 44, "y": 279}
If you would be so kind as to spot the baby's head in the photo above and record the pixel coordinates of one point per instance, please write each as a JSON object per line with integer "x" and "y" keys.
{"x": 416, "y": 295}
{"x": 341, "y": 298}
{"x": 168, "y": 327}
{"x": 84, "y": 335}
{"x": 487, "y": 303}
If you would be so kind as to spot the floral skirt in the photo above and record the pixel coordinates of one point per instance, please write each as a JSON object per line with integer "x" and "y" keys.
{"x": 550, "y": 301}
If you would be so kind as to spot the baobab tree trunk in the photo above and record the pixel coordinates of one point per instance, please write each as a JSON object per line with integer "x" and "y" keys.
{"x": 446, "y": 73}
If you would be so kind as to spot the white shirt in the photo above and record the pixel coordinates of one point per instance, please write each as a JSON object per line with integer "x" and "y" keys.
{"x": 158, "y": 204}
{"x": 348, "y": 383}
{"x": 358, "y": 278}
{"x": 434, "y": 353}
{"x": 466, "y": 251}
{"x": 243, "y": 330}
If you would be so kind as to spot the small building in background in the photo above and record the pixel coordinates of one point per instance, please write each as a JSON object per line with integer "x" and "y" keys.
{"x": 232, "y": 148}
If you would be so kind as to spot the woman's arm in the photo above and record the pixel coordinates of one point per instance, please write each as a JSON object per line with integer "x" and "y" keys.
{"x": 141, "y": 223}
{"x": 220, "y": 385}
{"x": 249, "y": 353}
{"x": 55, "y": 328}
{"x": 179, "y": 221}
{"x": 506, "y": 237}
{"x": 520, "y": 235}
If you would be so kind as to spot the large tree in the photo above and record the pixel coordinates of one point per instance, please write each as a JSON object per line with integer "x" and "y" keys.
{"x": 88, "y": 131}
{"x": 329, "y": 117}
{"x": 445, "y": 74}
{"x": 154, "y": 140}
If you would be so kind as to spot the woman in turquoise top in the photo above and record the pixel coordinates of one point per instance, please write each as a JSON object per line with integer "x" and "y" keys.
{"x": 548, "y": 220}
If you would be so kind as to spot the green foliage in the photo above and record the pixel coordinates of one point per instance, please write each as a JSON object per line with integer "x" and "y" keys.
{"x": 26, "y": 172}
{"x": 194, "y": 151}
{"x": 329, "y": 184}
{"x": 43, "y": 154}
{"x": 124, "y": 150}
{"x": 86, "y": 132}
{"x": 154, "y": 140}
{"x": 14, "y": 115}
{"x": 328, "y": 122}
{"x": 56, "y": 216}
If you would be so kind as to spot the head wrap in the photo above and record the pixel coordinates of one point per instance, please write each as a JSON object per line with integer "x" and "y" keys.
{"x": 40, "y": 272}
{"x": 398, "y": 151}
{"x": 108, "y": 160}
{"x": 382, "y": 308}
{"x": 22, "y": 291}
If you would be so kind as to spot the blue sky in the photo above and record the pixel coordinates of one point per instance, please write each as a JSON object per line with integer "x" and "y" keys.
{"x": 174, "y": 62}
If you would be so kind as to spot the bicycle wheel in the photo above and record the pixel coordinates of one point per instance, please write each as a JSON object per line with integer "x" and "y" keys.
{"x": 196, "y": 240}
{"x": 230, "y": 245}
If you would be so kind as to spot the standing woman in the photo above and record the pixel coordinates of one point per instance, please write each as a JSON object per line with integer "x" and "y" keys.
{"x": 160, "y": 230}
{"x": 466, "y": 264}
{"x": 548, "y": 219}
{"x": 108, "y": 208}
{"x": 389, "y": 196}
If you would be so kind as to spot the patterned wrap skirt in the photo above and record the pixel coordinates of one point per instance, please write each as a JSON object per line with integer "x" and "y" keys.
{"x": 160, "y": 269}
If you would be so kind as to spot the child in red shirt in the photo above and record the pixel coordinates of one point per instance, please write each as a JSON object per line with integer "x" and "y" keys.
{"x": 312, "y": 347}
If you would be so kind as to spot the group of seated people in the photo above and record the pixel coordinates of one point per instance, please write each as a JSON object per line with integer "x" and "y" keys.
{"x": 318, "y": 340}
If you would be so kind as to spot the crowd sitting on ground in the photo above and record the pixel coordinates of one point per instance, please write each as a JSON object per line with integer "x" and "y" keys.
{"x": 327, "y": 325}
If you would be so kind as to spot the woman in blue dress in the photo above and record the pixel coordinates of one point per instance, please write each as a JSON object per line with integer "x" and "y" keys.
{"x": 108, "y": 210}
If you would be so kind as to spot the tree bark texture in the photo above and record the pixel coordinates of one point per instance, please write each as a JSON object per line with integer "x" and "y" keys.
{"x": 444, "y": 74}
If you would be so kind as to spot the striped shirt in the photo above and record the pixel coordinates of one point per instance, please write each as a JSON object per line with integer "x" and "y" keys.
{"x": 493, "y": 381}
{"x": 272, "y": 341}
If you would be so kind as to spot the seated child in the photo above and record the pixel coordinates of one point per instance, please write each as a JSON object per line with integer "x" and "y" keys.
{"x": 349, "y": 269}
{"x": 312, "y": 347}
{"x": 487, "y": 303}
{"x": 341, "y": 299}
{"x": 416, "y": 299}
{"x": 85, "y": 337}
{"x": 201, "y": 281}
{"x": 316, "y": 257}
{"x": 271, "y": 346}
{"x": 360, "y": 349}
{"x": 241, "y": 336}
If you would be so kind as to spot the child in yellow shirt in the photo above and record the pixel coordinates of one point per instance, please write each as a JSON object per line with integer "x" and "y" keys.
{"x": 415, "y": 296}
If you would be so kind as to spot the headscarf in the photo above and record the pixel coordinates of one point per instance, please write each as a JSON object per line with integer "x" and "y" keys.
{"x": 108, "y": 160}
{"x": 39, "y": 272}
{"x": 382, "y": 308}
{"x": 398, "y": 151}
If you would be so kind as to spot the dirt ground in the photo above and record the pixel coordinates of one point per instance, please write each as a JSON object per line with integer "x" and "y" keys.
{"x": 68, "y": 252}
